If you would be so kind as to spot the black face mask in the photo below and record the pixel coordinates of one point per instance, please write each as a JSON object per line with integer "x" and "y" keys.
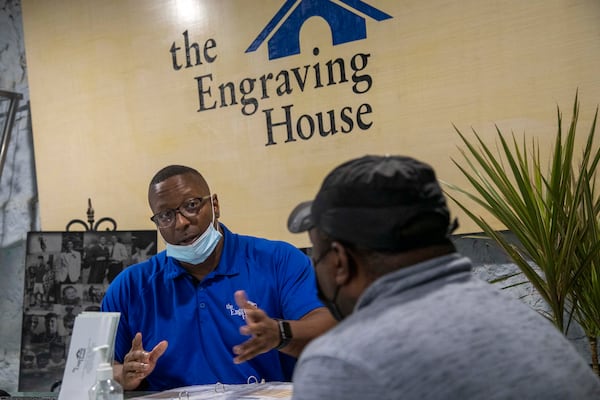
{"x": 330, "y": 304}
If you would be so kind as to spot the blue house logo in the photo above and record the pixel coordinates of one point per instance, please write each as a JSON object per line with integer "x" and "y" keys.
{"x": 347, "y": 24}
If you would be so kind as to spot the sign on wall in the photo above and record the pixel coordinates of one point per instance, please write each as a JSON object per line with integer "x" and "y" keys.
{"x": 264, "y": 98}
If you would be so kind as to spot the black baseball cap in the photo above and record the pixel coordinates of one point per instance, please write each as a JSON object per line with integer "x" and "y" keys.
{"x": 371, "y": 200}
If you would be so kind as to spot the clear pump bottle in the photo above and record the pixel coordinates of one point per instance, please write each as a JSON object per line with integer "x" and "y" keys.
{"x": 105, "y": 388}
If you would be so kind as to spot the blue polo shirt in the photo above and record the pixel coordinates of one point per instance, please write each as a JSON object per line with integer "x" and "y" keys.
{"x": 201, "y": 320}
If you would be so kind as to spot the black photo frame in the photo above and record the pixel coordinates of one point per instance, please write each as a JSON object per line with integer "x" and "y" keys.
{"x": 67, "y": 273}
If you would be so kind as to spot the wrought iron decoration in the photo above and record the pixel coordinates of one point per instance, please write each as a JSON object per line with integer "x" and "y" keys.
{"x": 90, "y": 221}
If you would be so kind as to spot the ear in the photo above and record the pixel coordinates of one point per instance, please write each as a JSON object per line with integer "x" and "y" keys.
{"x": 215, "y": 202}
{"x": 344, "y": 269}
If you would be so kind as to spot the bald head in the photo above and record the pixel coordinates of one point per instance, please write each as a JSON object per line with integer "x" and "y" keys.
{"x": 174, "y": 170}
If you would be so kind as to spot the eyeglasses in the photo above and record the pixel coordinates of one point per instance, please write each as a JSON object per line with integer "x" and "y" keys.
{"x": 188, "y": 208}
{"x": 320, "y": 258}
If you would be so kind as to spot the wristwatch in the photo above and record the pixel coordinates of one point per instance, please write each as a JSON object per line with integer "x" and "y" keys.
{"x": 285, "y": 333}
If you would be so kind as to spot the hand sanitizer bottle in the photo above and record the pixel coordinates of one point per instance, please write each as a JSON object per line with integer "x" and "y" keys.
{"x": 105, "y": 388}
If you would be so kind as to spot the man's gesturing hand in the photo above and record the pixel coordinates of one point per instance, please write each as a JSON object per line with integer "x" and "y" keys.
{"x": 138, "y": 363}
{"x": 263, "y": 330}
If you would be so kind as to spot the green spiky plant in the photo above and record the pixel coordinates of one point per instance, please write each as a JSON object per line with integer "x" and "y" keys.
{"x": 586, "y": 292}
{"x": 554, "y": 212}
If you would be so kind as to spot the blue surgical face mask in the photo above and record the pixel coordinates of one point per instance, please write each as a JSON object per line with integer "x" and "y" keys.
{"x": 201, "y": 248}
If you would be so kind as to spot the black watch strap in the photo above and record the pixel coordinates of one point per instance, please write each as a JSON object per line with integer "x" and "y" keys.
{"x": 285, "y": 333}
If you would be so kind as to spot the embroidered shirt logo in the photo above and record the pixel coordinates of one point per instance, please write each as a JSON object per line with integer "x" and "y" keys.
{"x": 240, "y": 312}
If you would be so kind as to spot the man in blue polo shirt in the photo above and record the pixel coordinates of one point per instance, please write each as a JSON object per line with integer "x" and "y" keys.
{"x": 215, "y": 306}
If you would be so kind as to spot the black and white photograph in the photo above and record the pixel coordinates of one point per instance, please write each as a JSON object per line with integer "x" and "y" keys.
{"x": 68, "y": 273}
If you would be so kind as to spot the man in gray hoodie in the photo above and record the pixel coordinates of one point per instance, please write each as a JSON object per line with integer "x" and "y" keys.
{"x": 415, "y": 323}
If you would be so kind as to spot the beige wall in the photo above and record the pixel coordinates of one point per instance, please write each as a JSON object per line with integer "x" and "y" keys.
{"x": 109, "y": 109}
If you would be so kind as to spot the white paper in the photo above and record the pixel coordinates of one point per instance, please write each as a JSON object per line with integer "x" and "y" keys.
{"x": 91, "y": 329}
{"x": 252, "y": 391}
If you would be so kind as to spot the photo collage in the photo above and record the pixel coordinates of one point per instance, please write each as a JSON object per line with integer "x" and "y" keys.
{"x": 67, "y": 273}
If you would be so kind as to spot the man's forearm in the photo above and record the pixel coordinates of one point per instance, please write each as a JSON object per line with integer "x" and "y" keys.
{"x": 312, "y": 325}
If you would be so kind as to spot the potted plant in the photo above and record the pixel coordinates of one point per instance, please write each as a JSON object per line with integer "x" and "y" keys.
{"x": 552, "y": 208}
